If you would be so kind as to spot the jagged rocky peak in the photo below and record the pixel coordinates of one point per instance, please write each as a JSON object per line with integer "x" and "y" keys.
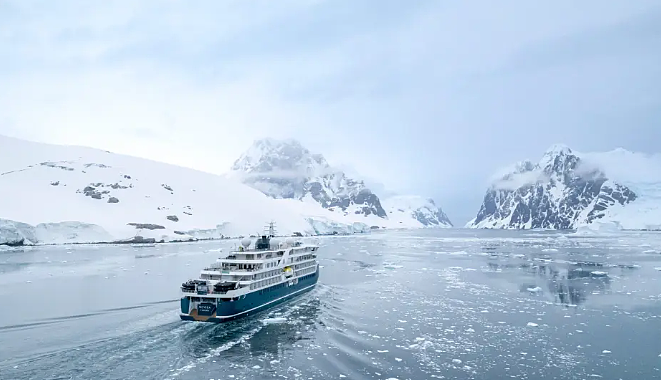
{"x": 559, "y": 158}
{"x": 561, "y": 191}
{"x": 286, "y": 169}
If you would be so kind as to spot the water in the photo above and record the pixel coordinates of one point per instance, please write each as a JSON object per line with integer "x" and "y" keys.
{"x": 455, "y": 304}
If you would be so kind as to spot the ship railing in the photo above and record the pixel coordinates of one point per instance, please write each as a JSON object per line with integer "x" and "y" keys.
{"x": 226, "y": 271}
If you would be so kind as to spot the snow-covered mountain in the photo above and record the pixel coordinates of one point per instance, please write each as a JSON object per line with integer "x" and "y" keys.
{"x": 568, "y": 189}
{"x": 58, "y": 194}
{"x": 423, "y": 210}
{"x": 53, "y": 194}
{"x": 284, "y": 169}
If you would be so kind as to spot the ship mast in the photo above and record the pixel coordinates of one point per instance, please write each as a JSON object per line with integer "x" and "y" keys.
{"x": 271, "y": 229}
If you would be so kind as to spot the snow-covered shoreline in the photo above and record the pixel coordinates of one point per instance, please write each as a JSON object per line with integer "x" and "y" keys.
{"x": 18, "y": 234}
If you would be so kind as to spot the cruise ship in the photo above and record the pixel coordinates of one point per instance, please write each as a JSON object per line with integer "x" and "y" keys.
{"x": 250, "y": 279}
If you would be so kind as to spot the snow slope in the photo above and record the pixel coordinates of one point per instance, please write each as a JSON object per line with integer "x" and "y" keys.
{"x": 569, "y": 189}
{"x": 60, "y": 194}
{"x": 642, "y": 174}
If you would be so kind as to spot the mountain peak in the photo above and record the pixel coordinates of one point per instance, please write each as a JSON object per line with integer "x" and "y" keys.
{"x": 558, "y": 149}
{"x": 558, "y": 158}
{"x": 268, "y": 155}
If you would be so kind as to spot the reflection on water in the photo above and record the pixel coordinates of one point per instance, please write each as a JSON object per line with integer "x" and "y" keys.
{"x": 570, "y": 282}
{"x": 283, "y": 333}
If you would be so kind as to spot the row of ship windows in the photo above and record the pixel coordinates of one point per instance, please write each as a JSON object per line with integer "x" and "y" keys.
{"x": 305, "y": 265}
{"x": 304, "y": 257}
{"x": 306, "y": 270}
{"x": 260, "y": 284}
{"x": 270, "y": 273}
{"x": 282, "y": 285}
{"x": 273, "y": 280}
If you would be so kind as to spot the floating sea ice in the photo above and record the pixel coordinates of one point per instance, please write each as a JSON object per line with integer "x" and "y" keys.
{"x": 399, "y": 360}
{"x": 456, "y": 361}
{"x": 256, "y": 366}
{"x": 605, "y": 352}
{"x": 268, "y": 321}
{"x": 658, "y": 268}
{"x": 532, "y": 324}
{"x": 536, "y": 289}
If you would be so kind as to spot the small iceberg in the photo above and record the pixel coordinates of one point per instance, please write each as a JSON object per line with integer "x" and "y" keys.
{"x": 269, "y": 321}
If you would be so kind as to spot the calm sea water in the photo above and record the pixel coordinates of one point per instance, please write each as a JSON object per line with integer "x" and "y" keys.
{"x": 449, "y": 304}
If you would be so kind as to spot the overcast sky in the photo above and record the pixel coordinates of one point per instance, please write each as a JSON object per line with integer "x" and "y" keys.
{"x": 426, "y": 97}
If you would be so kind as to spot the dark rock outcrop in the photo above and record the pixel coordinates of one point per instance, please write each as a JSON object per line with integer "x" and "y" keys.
{"x": 147, "y": 226}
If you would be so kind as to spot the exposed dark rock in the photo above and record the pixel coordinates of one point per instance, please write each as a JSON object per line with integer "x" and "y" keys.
{"x": 167, "y": 187}
{"x": 374, "y": 227}
{"x": 173, "y": 218}
{"x": 147, "y": 226}
{"x": 127, "y": 176}
{"x": 55, "y": 165}
{"x": 187, "y": 213}
{"x": 97, "y": 165}
{"x": 118, "y": 186}
{"x": 179, "y": 232}
{"x": 113, "y": 200}
{"x": 55, "y": 183}
{"x": 136, "y": 240}
{"x": 16, "y": 243}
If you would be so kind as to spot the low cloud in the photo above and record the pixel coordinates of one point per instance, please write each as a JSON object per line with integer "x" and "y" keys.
{"x": 518, "y": 180}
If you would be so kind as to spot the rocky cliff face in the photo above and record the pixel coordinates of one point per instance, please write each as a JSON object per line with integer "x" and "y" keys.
{"x": 559, "y": 192}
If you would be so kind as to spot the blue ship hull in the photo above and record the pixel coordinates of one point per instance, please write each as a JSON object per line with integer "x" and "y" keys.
{"x": 259, "y": 300}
